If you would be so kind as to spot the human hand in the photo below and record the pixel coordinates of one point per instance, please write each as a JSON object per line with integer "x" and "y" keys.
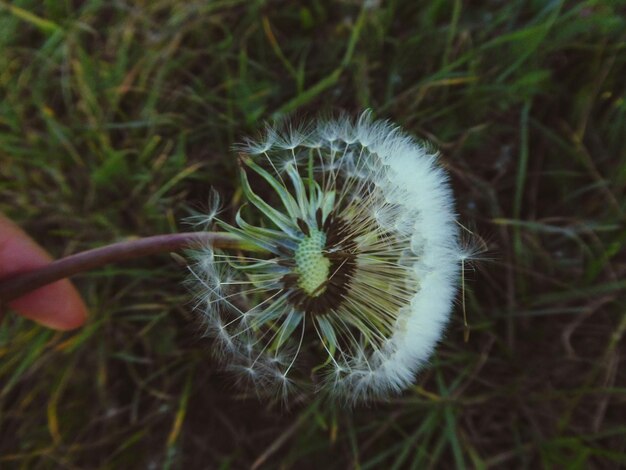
{"x": 56, "y": 305}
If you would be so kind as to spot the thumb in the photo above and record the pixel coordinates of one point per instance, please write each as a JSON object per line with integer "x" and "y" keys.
{"x": 56, "y": 305}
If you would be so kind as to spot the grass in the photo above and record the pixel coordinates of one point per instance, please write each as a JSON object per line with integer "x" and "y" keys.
{"x": 117, "y": 118}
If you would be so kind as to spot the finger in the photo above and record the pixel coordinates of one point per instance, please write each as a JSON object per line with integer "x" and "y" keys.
{"x": 56, "y": 305}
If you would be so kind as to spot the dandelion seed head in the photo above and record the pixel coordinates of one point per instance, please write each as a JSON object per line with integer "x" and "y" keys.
{"x": 354, "y": 265}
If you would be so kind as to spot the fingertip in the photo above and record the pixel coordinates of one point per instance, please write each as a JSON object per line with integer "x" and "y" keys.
{"x": 56, "y": 306}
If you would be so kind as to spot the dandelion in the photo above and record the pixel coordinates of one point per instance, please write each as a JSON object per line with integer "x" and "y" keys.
{"x": 350, "y": 267}
{"x": 339, "y": 272}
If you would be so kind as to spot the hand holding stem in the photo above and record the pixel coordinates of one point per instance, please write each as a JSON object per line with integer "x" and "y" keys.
{"x": 35, "y": 286}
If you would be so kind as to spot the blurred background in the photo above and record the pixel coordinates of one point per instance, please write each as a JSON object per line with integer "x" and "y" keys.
{"x": 116, "y": 119}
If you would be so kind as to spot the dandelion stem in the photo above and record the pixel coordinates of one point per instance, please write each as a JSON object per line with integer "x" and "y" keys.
{"x": 22, "y": 283}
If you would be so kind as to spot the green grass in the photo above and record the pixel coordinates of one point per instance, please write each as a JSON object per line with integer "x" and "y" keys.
{"x": 116, "y": 119}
